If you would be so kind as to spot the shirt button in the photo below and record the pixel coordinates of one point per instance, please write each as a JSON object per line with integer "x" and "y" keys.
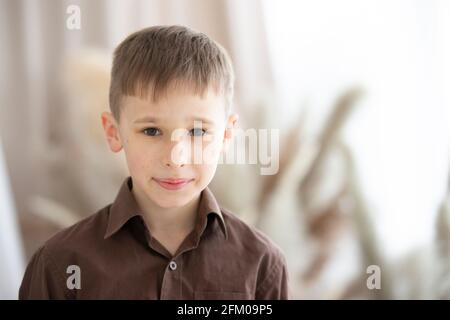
{"x": 173, "y": 265}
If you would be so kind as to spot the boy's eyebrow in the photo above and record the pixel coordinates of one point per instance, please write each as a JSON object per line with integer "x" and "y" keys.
{"x": 202, "y": 120}
{"x": 151, "y": 119}
{"x": 146, "y": 119}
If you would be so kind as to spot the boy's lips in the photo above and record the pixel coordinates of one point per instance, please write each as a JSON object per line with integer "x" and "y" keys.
{"x": 172, "y": 183}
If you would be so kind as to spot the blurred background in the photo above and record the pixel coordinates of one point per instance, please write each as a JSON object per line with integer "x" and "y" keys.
{"x": 360, "y": 93}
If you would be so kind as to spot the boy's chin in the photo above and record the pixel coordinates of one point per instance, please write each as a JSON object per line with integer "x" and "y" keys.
{"x": 173, "y": 199}
{"x": 170, "y": 202}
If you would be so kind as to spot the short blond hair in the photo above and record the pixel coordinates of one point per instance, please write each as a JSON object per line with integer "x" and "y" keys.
{"x": 152, "y": 60}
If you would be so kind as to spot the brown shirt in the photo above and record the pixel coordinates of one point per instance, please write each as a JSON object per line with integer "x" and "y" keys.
{"x": 112, "y": 255}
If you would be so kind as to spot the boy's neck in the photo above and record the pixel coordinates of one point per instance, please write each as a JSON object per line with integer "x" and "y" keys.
{"x": 159, "y": 220}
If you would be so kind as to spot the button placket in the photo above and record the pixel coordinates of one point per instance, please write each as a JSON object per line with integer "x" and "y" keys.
{"x": 171, "y": 284}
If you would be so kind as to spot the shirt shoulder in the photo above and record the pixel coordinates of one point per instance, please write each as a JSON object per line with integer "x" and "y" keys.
{"x": 46, "y": 272}
{"x": 251, "y": 239}
{"x": 80, "y": 242}
{"x": 257, "y": 248}
{"x": 82, "y": 235}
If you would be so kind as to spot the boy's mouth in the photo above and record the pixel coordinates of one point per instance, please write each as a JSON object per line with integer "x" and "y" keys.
{"x": 173, "y": 183}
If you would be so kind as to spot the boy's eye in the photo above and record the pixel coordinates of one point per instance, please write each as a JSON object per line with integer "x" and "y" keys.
{"x": 152, "y": 131}
{"x": 197, "y": 132}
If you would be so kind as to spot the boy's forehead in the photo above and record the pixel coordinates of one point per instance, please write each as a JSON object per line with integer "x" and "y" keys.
{"x": 181, "y": 104}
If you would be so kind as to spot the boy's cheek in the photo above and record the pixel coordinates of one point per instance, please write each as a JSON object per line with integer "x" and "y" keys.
{"x": 205, "y": 173}
{"x": 139, "y": 159}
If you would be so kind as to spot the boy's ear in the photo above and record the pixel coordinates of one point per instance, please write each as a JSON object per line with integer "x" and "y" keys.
{"x": 111, "y": 128}
{"x": 228, "y": 134}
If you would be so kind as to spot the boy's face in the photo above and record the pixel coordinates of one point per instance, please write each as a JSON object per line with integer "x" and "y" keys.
{"x": 172, "y": 146}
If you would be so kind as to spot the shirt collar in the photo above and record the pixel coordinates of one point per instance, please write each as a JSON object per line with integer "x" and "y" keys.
{"x": 125, "y": 207}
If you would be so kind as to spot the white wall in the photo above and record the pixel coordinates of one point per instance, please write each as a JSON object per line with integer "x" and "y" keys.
{"x": 399, "y": 52}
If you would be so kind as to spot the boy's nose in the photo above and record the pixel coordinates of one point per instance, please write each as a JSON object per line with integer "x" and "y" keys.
{"x": 178, "y": 154}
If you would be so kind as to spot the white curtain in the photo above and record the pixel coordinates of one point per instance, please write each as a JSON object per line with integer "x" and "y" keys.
{"x": 398, "y": 52}
{"x": 11, "y": 267}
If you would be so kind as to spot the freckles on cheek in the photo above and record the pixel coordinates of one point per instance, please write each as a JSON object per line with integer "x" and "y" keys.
{"x": 136, "y": 160}
{"x": 143, "y": 161}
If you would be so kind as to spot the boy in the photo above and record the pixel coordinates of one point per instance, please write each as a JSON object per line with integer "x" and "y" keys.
{"x": 164, "y": 236}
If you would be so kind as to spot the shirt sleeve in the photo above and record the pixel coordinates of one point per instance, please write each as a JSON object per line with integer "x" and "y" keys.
{"x": 42, "y": 279}
{"x": 274, "y": 285}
